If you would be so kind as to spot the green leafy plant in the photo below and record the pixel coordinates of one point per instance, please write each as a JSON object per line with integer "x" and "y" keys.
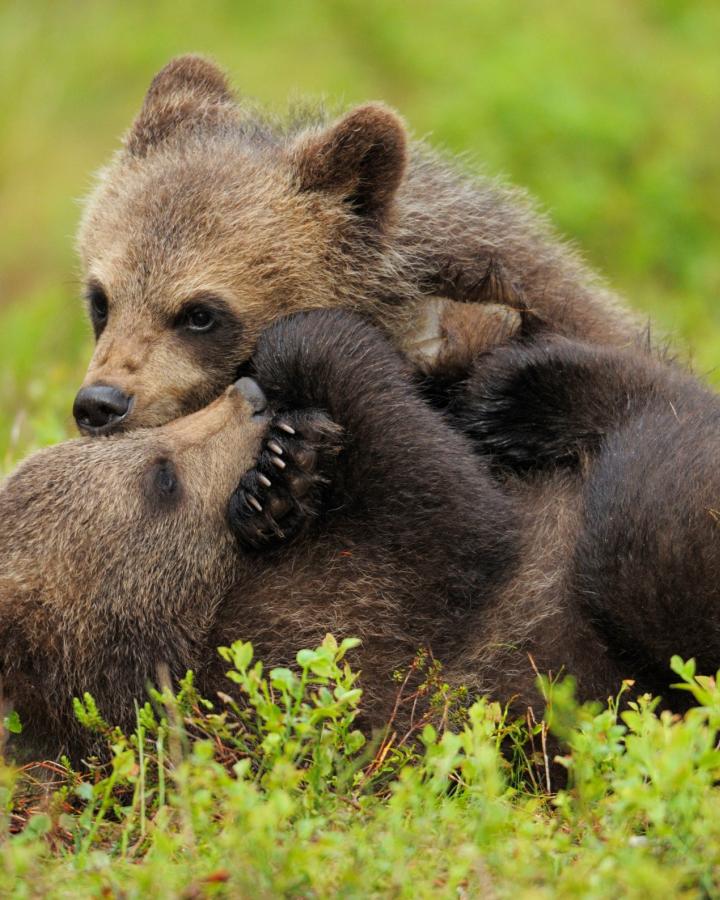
{"x": 270, "y": 789}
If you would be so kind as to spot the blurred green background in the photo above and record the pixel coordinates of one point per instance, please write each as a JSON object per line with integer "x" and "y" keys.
{"x": 608, "y": 112}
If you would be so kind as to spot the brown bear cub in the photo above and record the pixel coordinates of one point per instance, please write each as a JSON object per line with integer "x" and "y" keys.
{"x": 119, "y": 555}
{"x": 638, "y": 437}
{"x": 214, "y": 220}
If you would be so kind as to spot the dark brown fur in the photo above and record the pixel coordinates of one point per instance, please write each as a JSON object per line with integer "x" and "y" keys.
{"x": 638, "y": 437}
{"x": 107, "y": 573}
{"x": 208, "y": 198}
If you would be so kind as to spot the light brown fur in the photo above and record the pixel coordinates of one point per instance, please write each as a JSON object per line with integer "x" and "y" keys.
{"x": 209, "y": 198}
{"x": 81, "y": 534}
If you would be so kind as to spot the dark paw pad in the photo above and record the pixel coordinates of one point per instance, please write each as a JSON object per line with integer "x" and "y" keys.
{"x": 276, "y": 500}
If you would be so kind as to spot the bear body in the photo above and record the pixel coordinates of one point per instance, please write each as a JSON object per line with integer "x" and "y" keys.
{"x": 636, "y": 438}
{"x": 118, "y": 556}
{"x": 214, "y": 220}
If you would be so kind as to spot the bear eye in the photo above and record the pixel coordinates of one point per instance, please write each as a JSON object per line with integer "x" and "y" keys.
{"x": 199, "y": 319}
{"x": 166, "y": 480}
{"x": 99, "y": 306}
{"x": 161, "y": 488}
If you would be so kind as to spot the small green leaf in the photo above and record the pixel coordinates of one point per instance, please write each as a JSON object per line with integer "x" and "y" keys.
{"x": 38, "y": 825}
{"x": 322, "y": 667}
{"x": 242, "y": 654}
{"x": 305, "y": 658}
{"x": 84, "y": 790}
{"x": 12, "y": 723}
{"x": 283, "y": 679}
{"x": 347, "y": 644}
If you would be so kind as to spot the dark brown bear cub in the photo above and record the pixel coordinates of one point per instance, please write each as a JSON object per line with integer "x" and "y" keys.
{"x": 638, "y": 437}
{"x": 213, "y": 221}
{"x": 118, "y": 556}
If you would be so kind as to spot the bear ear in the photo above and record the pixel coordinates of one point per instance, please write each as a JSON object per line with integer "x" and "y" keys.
{"x": 361, "y": 158}
{"x": 190, "y": 91}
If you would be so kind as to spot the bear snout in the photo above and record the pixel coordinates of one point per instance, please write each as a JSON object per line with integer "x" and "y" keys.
{"x": 253, "y": 393}
{"x": 100, "y": 408}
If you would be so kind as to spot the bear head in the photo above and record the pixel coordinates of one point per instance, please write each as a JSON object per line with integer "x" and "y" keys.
{"x": 210, "y": 223}
{"x": 115, "y": 555}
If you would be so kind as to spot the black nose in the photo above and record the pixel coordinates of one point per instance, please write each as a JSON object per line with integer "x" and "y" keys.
{"x": 99, "y": 408}
{"x": 253, "y": 393}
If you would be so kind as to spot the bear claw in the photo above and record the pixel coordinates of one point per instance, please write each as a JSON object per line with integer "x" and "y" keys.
{"x": 266, "y": 512}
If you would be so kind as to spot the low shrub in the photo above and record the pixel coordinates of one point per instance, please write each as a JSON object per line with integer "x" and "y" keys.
{"x": 271, "y": 790}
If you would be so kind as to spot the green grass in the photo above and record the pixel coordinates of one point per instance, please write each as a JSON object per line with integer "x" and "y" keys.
{"x": 278, "y": 794}
{"x": 608, "y": 113}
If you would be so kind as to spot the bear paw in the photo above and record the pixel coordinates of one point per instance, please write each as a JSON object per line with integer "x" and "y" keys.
{"x": 450, "y": 335}
{"x": 276, "y": 500}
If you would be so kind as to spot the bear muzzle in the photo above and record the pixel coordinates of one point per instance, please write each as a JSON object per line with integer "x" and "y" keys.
{"x": 253, "y": 393}
{"x": 101, "y": 408}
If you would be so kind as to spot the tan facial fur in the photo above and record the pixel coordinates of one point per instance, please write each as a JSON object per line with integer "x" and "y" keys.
{"x": 202, "y": 235}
